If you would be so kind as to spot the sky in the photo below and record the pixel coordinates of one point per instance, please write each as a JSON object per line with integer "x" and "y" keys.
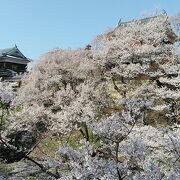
{"x": 37, "y": 26}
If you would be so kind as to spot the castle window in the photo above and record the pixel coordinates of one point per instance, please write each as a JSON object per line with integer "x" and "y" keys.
{"x": 14, "y": 67}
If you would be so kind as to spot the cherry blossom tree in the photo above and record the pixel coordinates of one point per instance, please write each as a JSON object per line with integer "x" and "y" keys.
{"x": 108, "y": 93}
{"x": 6, "y": 97}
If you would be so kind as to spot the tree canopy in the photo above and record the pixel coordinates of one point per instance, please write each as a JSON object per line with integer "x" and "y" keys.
{"x": 118, "y": 99}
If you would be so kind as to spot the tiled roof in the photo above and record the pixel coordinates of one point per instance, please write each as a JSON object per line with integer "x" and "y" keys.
{"x": 6, "y": 51}
{"x": 143, "y": 20}
{"x": 13, "y": 55}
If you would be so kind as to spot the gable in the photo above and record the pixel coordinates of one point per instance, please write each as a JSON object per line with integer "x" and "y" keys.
{"x": 13, "y": 55}
{"x": 16, "y": 53}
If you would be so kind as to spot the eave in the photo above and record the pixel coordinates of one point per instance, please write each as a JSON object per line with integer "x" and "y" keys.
{"x": 13, "y": 59}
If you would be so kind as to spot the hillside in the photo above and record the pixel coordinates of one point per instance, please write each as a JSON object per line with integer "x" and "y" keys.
{"x": 108, "y": 111}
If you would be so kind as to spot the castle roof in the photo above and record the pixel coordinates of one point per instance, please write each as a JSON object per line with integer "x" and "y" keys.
{"x": 13, "y": 55}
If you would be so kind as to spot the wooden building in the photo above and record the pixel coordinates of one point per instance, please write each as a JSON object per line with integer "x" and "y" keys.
{"x": 12, "y": 63}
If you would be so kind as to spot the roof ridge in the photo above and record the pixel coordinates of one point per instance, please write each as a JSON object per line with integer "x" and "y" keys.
{"x": 140, "y": 20}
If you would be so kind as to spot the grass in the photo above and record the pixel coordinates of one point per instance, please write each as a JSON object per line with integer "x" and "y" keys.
{"x": 50, "y": 144}
{"x": 5, "y": 168}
